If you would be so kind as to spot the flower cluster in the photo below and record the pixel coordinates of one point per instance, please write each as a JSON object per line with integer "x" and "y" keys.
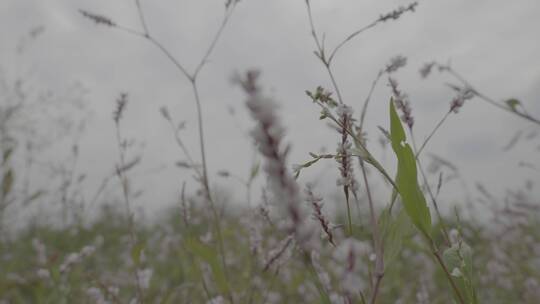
{"x": 41, "y": 251}
{"x": 463, "y": 94}
{"x": 395, "y": 14}
{"x": 144, "y": 276}
{"x": 395, "y": 64}
{"x": 75, "y": 258}
{"x": 317, "y": 205}
{"x": 268, "y": 135}
{"x": 349, "y": 258}
{"x": 98, "y": 19}
{"x": 323, "y": 96}
{"x": 402, "y": 103}
{"x": 428, "y": 67}
{"x": 120, "y": 107}
{"x": 343, "y": 151}
{"x": 278, "y": 253}
{"x": 96, "y": 295}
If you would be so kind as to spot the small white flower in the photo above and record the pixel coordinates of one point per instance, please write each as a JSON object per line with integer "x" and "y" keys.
{"x": 207, "y": 238}
{"x": 454, "y": 236}
{"x": 216, "y": 300}
{"x": 113, "y": 290}
{"x": 352, "y": 283}
{"x": 456, "y": 273}
{"x": 96, "y": 295}
{"x": 87, "y": 251}
{"x": 71, "y": 259}
{"x": 344, "y": 110}
{"x": 41, "y": 251}
{"x": 43, "y": 273}
{"x": 144, "y": 277}
{"x": 273, "y": 297}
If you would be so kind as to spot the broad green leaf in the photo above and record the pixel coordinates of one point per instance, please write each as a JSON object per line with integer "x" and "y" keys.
{"x": 513, "y": 104}
{"x": 412, "y": 197}
{"x": 395, "y": 230}
{"x": 458, "y": 261}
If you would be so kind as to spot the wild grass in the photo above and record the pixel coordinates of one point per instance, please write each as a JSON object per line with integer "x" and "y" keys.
{"x": 285, "y": 247}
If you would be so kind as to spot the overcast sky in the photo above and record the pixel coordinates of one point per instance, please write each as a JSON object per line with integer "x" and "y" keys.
{"x": 493, "y": 43}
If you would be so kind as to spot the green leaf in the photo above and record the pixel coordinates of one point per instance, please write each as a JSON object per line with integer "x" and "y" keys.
{"x": 360, "y": 152}
{"x": 136, "y": 252}
{"x": 458, "y": 260}
{"x": 513, "y": 104}
{"x": 394, "y": 232}
{"x": 55, "y": 274}
{"x": 210, "y": 256}
{"x": 254, "y": 171}
{"x": 412, "y": 197}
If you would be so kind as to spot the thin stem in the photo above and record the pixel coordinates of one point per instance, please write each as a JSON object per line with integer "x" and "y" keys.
{"x": 170, "y": 57}
{"x": 488, "y": 99}
{"x": 184, "y": 148}
{"x": 327, "y": 63}
{"x": 321, "y": 55}
{"x": 439, "y": 259}
{"x": 430, "y": 192}
{"x": 349, "y": 218}
{"x": 368, "y": 98}
{"x": 130, "y": 31}
{"x": 314, "y": 32}
{"x": 317, "y": 281}
{"x": 354, "y": 34}
{"x": 201, "y": 137}
{"x": 191, "y": 77}
{"x": 369, "y": 158}
{"x": 350, "y": 37}
{"x": 208, "y": 52}
{"x": 358, "y": 140}
{"x": 378, "y": 279}
{"x": 193, "y": 80}
{"x": 125, "y": 192}
{"x": 377, "y": 241}
{"x": 439, "y": 124}
{"x": 334, "y": 83}
{"x": 141, "y": 17}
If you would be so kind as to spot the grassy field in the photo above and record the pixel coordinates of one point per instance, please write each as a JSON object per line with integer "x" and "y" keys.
{"x": 286, "y": 245}
{"x": 178, "y": 262}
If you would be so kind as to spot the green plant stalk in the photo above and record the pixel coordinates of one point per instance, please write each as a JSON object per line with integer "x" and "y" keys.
{"x": 315, "y": 277}
{"x": 436, "y": 253}
{"x": 377, "y": 240}
{"x": 430, "y": 192}
{"x": 124, "y": 181}
{"x": 349, "y": 219}
{"x": 488, "y": 99}
{"x": 193, "y": 80}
